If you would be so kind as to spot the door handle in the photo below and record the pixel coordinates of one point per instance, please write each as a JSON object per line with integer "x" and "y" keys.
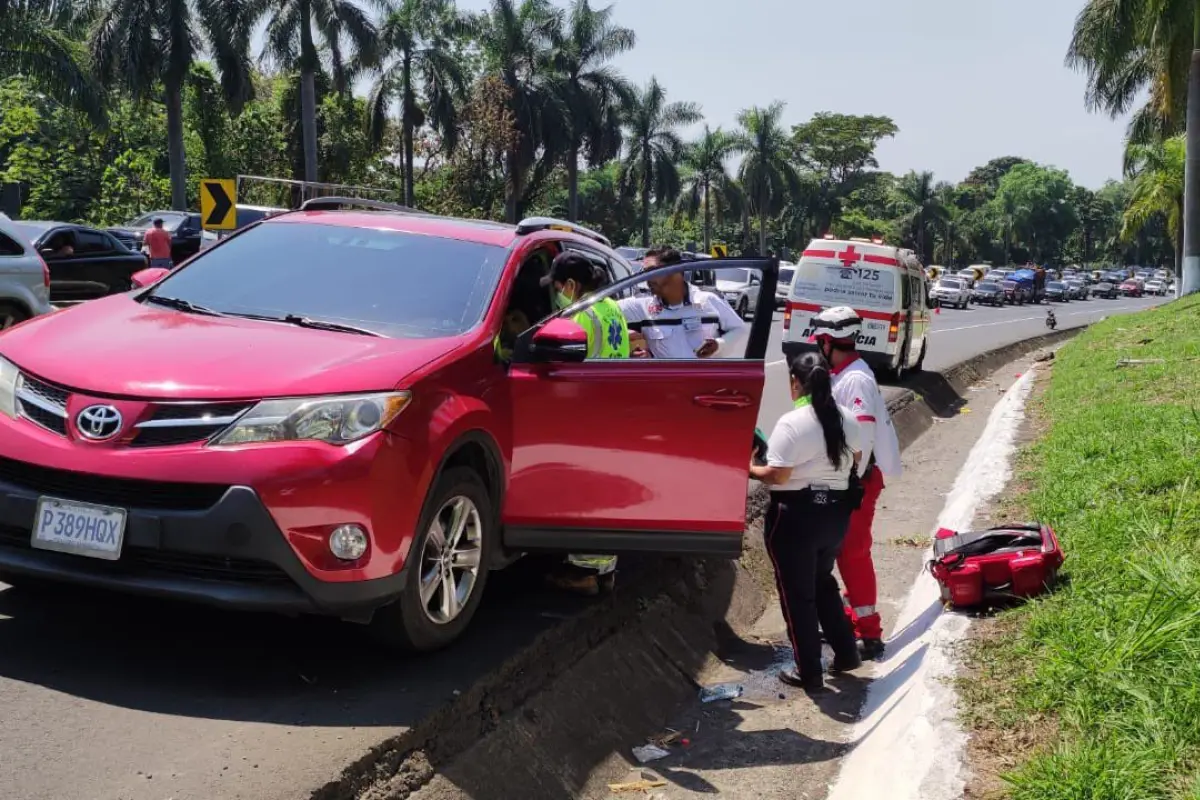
{"x": 724, "y": 399}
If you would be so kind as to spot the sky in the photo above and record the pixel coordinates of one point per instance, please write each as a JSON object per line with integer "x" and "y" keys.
{"x": 965, "y": 80}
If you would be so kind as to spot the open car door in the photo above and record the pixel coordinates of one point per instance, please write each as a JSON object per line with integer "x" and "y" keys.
{"x": 637, "y": 454}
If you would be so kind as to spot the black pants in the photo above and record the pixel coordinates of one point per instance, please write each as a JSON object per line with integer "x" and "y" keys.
{"x": 803, "y": 540}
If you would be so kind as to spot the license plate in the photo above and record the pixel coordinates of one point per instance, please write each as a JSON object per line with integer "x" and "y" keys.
{"x": 79, "y": 528}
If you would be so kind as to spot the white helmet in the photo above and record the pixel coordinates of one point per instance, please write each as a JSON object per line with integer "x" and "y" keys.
{"x": 840, "y": 322}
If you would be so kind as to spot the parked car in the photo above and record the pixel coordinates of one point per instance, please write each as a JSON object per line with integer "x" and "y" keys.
{"x": 24, "y": 277}
{"x": 739, "y": 287}
{"x": 1132, "y": 288}
{"x": 989, "y": 292}
{"x": 1015, "y": 293}
{"x": 249, "y": 433}
{"x": 1077, "y": 289}
{"x": 1156, "y": 287}
{"x": 1105, "y": 289}
{"x": 952, "y": 292}
{"x": 183, "y": 226}
{"x": 786, "y": 271}
{"x": 1057, "y": 291}
{"x": 84, "y": 263}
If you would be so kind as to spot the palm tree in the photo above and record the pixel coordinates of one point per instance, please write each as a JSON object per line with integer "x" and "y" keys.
{"x": 37, "y": 42}
{"x": 708, "y": 182}
{"x": 142, "y": 44}
{"x": 923, "y": 207}
{"x": 1131, "y": 47}
{"x": 1156, "y": 172}
{"x": 767, "y": 174}
{"x": 347, "y": 36}
{"x": 416, "y": 35}
{"x": 655, "y": 147}
{"x": 590, "y": 92}
{"x": 516, "y": 43}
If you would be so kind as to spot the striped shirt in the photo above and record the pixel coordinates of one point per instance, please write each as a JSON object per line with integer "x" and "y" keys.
{"x": 679, "y": 331}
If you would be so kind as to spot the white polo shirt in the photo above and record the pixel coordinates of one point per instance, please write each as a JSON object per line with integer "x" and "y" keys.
{"x": 855, "y": 389}
{"x": 679, "y": 331}
{"x": 799, "y": 442}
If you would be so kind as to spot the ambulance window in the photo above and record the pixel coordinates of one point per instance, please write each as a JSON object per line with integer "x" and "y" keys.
{"x": 917, "y": 291}
{"x": 905, "y": 293}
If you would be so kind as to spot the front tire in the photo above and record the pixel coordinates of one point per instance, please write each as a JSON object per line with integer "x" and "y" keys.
{"x": 448, "y": 567}
{"x": 743, "y": 307}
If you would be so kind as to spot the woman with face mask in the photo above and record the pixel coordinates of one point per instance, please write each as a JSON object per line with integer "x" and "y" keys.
{"x": 574, "y": 277}
{"x": 810, "y": 463}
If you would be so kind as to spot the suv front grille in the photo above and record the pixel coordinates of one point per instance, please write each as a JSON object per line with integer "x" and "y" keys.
{"x": 103, "y": 490}
{"x": 185, "y": 423}
{"x": 42, "y": 404}
{"x": 142, "y": 560}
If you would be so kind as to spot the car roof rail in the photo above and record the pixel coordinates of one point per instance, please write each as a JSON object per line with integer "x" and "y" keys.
{"x": 336, "y": 203}
{"x": 534, "y": 224}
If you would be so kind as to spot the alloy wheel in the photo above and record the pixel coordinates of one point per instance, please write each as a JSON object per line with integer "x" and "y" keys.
{"x": 451, "y": 560}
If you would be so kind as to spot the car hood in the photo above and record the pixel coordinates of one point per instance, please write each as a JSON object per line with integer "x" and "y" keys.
{"x": 118, "y": 347}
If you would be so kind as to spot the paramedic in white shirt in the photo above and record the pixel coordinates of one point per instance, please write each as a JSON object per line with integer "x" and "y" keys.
{"x": 810, "y": 458}
{"x": 679, "y": 320}
{"x": 854, "y": 387}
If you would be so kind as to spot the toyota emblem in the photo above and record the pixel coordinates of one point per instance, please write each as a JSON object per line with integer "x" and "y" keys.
{"x": 98, "y": 423}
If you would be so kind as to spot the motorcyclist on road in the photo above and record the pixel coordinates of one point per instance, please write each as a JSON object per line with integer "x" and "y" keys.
{"x": 1051, "y": 320}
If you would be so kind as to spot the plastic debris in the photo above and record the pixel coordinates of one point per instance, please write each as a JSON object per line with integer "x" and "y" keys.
{"x": 635, "y": 786}
{"x": 649, "y": 752}
{"x": 964, "y": 411}
{"x": 669, "y": 737}
{"x": 723, "y": 691}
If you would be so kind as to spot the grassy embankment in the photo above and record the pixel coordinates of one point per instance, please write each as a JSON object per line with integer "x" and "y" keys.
{"x": 1109, "y": 666}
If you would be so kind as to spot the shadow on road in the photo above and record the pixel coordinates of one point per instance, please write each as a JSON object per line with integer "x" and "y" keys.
{"x": 179, "y": 659}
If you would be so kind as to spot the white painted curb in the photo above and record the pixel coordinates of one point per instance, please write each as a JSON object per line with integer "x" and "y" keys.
{"x": 907, "y": 745}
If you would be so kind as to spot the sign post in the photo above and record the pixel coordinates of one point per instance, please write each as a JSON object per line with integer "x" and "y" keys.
{"x": 218, "y": 204}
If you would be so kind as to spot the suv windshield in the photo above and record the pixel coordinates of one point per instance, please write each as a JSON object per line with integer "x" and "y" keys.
{"x": 950, "y": 283}
{"x": 988, "y": 286}
{"x": 1055, "y": 285}
{"x": 393, "y": 283}
{"x": 733, "y": 275}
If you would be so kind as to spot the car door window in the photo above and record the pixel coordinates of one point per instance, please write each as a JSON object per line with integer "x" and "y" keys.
{"x": 92, "y": 243}
{"x": 10, "y": 247}
{"x": 59, "y": 244}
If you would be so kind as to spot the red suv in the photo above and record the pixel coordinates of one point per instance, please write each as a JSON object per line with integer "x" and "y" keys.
{"x": 313, "y": 417}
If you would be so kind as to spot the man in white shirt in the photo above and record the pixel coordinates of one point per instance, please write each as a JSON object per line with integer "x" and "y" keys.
{"x": 855, "y": 388}
{"x": 679, "y": 320}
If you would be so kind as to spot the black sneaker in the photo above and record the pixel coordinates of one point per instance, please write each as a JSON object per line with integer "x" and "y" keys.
{"x": 871, "y": 649}
{"x": 814, "y": 683}
{"x": 846, "y": 664}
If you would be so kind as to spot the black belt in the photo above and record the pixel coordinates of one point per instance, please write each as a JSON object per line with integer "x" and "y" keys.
{"x": 816, "y": 497}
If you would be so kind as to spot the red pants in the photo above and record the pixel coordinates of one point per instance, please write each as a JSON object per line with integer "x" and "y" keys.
{"x": 855, "y": 564}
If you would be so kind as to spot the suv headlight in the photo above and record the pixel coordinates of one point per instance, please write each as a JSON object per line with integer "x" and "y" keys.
{"x": 9, "y": 376}
{"x": 335, "y": 420}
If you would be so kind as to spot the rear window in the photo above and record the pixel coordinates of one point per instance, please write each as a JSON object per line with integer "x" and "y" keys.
{"x": 1056, "y": 285}
{"x": 397, "y": 284}
{"x": 860, "y": 287}
{"x": 785, "y": 275}
{"x": 989, "y": 285}
{"x": 950, "y": 283}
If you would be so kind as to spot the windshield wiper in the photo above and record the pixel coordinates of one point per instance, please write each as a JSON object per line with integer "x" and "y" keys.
{"x": 180, "y": 304}
{"x": 309, "y": 322}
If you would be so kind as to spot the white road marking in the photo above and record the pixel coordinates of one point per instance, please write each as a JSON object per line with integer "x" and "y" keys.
{"x": 907, "y": 744}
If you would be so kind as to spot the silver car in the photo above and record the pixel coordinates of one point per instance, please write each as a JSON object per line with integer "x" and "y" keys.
{"x": 24, "y": 278}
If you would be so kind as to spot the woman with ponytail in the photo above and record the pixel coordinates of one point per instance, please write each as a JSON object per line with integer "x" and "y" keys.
{"x": 811, "y": 459}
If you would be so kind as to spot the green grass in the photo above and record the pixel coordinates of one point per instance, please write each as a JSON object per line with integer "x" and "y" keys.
{"x": 1114, "y": 656}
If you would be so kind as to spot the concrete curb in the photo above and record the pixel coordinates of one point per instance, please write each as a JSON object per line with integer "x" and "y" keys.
{"x": 601, "y": 679}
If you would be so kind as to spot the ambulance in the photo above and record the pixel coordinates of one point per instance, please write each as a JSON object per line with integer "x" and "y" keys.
{"x": 884, "y": 284}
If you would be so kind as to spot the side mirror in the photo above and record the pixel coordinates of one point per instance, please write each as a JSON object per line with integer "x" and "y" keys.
{"x": 559, "y": 340}
{"x": 145, "y": 277}
{"x": 47, "y": 252}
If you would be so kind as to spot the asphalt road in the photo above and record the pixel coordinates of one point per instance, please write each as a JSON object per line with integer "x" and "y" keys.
{"x": 114, "y": 698}
{"x": 956, "y": 336}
